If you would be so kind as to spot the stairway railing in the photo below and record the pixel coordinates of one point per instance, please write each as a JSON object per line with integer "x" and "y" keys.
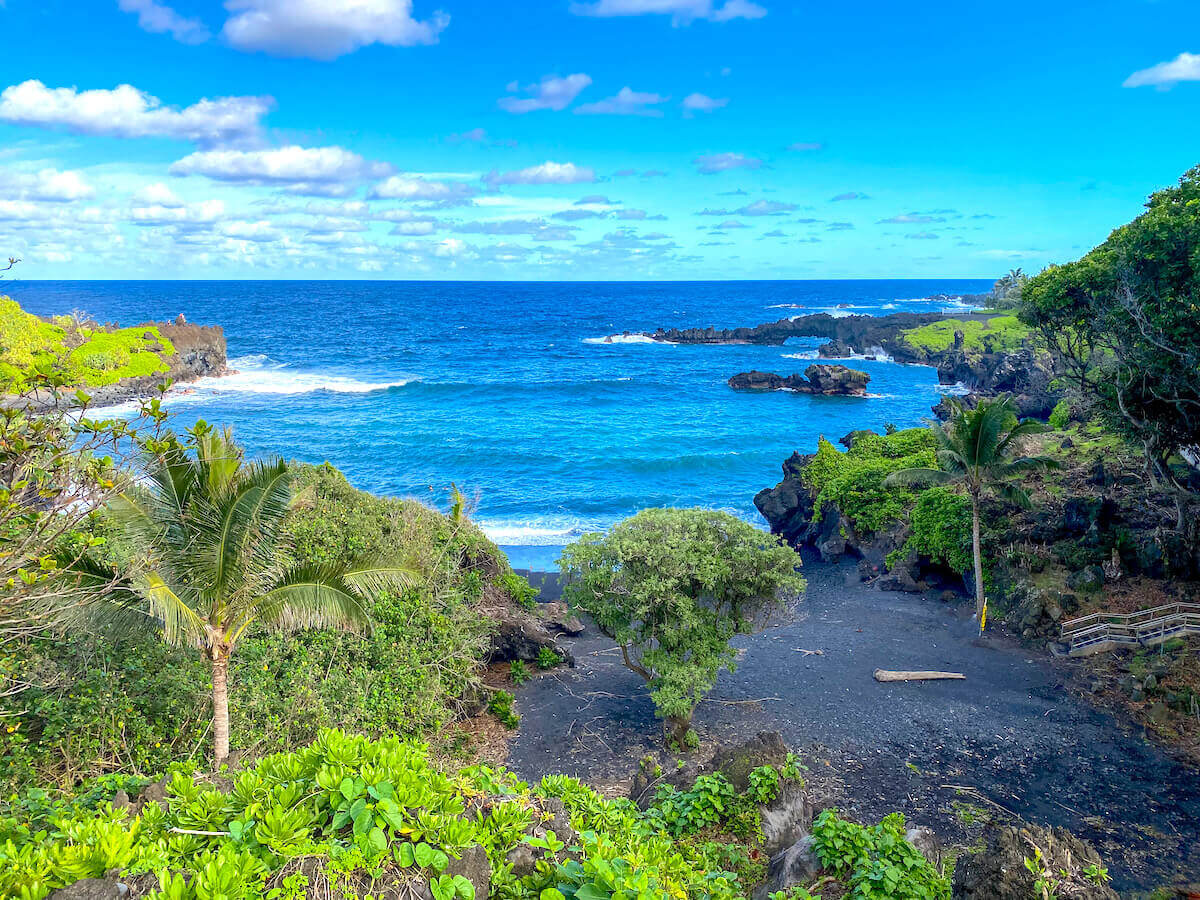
{"x": 1146, "y": 628}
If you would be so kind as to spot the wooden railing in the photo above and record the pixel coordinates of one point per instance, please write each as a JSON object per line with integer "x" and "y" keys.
{"x": 1145, "y": 628}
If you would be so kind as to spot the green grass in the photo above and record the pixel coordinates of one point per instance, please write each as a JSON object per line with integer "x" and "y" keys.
{"x": 85, "y": 356}
{"x": 997, "y": 334}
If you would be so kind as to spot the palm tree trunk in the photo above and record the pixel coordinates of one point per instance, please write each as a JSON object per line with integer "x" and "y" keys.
{"x": 220, "y": 680}
{"x": 978, "y": 554}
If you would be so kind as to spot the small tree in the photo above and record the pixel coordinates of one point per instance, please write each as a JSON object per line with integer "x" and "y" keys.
{"x": 671, "y": 587}
{"x": 206, "y": 528}
{"x": 978, "y": 449}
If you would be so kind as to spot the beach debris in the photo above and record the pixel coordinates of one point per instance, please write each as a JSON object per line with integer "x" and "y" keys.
{"x": 885, "y": 675}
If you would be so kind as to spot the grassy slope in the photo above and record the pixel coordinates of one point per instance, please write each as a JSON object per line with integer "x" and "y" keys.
{"x": 88, "y": 355}
{"x": 999, "y": 333}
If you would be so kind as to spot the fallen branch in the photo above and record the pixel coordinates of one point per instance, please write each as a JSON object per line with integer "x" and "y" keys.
{"x": 810, "y": 652}
{"x": 885, "y": 675}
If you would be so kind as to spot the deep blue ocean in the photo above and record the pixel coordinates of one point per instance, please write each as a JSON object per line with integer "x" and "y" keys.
{"x": 509, "y": 391}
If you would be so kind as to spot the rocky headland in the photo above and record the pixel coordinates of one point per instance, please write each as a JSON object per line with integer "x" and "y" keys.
{"x": 986, "y": 353}
{"x": 826, "y": 380}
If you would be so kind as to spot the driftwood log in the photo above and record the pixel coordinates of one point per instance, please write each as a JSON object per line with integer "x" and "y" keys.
{"x": 885, "y": 675}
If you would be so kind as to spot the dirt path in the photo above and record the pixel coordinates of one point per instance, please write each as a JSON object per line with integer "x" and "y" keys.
{"x": 1013, "y": 735}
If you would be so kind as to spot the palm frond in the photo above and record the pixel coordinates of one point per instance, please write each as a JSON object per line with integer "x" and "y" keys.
{"x": 376, "y": 577}
{"x": 917, "y": 477}
{"x": 181, "y": 624}
{"x": 1014, "y": 494}
{"x": 307, "y": 597}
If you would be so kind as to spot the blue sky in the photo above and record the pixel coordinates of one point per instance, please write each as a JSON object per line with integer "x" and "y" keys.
{"x": 675, "y": 139}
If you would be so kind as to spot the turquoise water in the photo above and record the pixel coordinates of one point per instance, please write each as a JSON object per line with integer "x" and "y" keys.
{"x": 507, "y": 389}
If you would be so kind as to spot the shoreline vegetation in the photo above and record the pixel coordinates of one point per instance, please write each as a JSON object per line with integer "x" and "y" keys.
{"x": 364, "y": 761}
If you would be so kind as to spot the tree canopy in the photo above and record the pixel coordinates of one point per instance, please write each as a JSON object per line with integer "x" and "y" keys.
{"x": 671, "y": 587}
{"x": 1123, "y": 322}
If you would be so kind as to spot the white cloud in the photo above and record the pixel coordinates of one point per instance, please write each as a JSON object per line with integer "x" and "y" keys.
{"x": 157, "y": 194}
{"x": 127, "y": 112}
{"x": 326, "y": 29}
{"x": 46, "y": 185}
{"x": 1184, "y": 67}
{"x": 552, "y": 92}
{"x": 154, "y": 214}
{"x": 627, "y": 102}
{"x": 546, "y": 173}
{"x": 722, "y": 162}
{"x": 805, "y": 146}
{"x": 849, "y": 195}
{"x": 320, "y": 171}
{"x": 158, "y": 19}
{"x": 259, "y": 232}
{"x": 682, "y": 12}
{"x": 408, "y": 187}
{"x": 757, "y": 208}
{"x": 911, "y": 219}
{"x": 703, "y": 103}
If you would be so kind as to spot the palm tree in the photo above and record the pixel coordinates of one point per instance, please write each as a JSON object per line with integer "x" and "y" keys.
{"x": 978, "y": 448}
{"x": 214, "y": 562}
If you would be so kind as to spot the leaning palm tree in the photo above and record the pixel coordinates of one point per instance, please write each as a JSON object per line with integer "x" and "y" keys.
{"x": 213, "y": 562}
{"x": 978, "y": 449}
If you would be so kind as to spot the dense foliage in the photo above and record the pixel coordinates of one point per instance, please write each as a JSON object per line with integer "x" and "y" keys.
{"x": 981, "y": 450}
{"x": 86, "y": 354}
{"x": 998, "y": 334}
{"x": 854, "y": 481}
{"x": 671, "y": 587}
{"x": 120, "y": 701}
{"x": 941, "y": 529}
{"x": 371, "y": 814}
{"x": 1122, "y": 322}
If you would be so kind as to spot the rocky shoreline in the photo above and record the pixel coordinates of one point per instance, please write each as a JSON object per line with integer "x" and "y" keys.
{"x": 1026, "y": 372}
{"x": 200, "y": 352}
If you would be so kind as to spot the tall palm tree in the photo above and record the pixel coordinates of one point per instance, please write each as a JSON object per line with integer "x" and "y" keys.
{"x": 978, "y": 448}
{"x": 207, "y": 527}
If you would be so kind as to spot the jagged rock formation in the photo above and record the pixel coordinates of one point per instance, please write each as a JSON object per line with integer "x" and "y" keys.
{"x": 831, "y": 381}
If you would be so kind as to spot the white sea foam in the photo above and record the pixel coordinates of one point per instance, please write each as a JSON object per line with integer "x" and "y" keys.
{"x": 958, "y": 389}
{"x": 878, "y": 354}
{"x": 532, "y": 535}
{"x": 624, "y": 339}
{"x": 803, "y": 354}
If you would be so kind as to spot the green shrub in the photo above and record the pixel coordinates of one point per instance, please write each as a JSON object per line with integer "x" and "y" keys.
{"x": 941, "y": 530}
{"x": 547, "y": 658}
{"x": 876, "y": 862}
{"x": 1060, "y": 416}
{"x": 501, "y": 707}
{"x": 518, "y": 671}
{"x": 853, "y": 481}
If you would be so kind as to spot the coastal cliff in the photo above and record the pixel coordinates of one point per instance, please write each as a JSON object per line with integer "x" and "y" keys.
{"x": 108, "y": 363}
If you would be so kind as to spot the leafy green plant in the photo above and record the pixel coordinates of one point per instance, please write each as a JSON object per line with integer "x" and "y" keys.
{"x": 1060, "y": 416}
{"x": 547, "y": 658}
{"x": 876, "y": 862}
{"x": 518, "y": 672}
{"x": 501, "y": 707}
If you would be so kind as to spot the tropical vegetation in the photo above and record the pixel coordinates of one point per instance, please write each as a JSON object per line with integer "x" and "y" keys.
{"x": 980, "y": 449}
{"x": 672, "y": 587}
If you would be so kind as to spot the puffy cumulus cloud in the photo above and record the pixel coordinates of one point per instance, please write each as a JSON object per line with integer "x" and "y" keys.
{"x": 682, "y": 12}
{"x": 757, "y": 208}
{"x": 596, "y": 200}
{"x": 326, "y": 29}
{"x": 547, "y": 173}
{"x": 159, "y": 19}
{"x": 639, "y": 215}
{"x": 552, "y": 92}
{"x": 262, "y": 231}
{"x": 157, "y": 214}
{"x": 46, "y": 185}
{"x": 840, "y": 226}
{"x": 713, "y": 163}
{"x": 415, "y": 228}
{"x": 694, "y": 103}
{"x": 127, "y": 112}
{"x": 417, "y": 188}
{"x": 1165, "y": 75}
{"x": 157, "y": 194}
{"x": 320, "y": 171}
{"x": 849, "y": 195}
{"x": 923, "y": 236}
{"x": 805, "y": 146}
{"x": 627, "y": 102}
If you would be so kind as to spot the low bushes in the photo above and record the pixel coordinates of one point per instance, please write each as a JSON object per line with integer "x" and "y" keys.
{"x": 853, "y": 481}
{"x": 998, "y": 334}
